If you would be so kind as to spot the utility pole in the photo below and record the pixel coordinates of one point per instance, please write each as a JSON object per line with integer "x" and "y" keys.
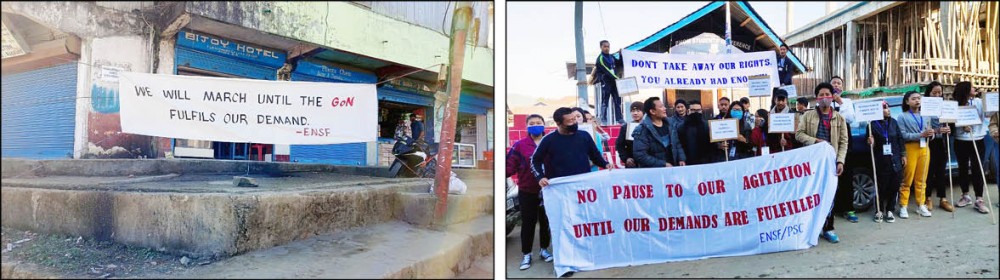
{"x": 581, "y": 65}
{"x": 459, "y": 31}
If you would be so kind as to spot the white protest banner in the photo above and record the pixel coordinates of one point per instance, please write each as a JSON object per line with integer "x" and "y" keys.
{"x": 992, "y": 102}
{"x": 243, "y": 110}
{"x": 631, "y": 128}
{"x": 696, "y": 71}
{"x": 627, "y": 86}
{"x": 631, "y": 217}
{"x": 781, "y": 123}
{"x": 724, "y": 129}
{"x": 968, "y": 115}
{"x": 949, "y": 112}
{"x": 868, "y": 110}
{"x": 760, "y": 86}
{"x": 931, "y": 106}
{"x": 792, "y": 91}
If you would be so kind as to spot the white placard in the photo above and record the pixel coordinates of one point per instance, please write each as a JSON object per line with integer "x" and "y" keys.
{"x": 760, "y": 86}
{"x": 781, "y": 123}
{"x": 697, "y": 71}
{"x": 949, "y": 112}
{"x": 631, "y": 128}
{"x": 992, "y": 102}
{"x": 631, "y": 217}
{"x": 868, "y": 110}
{"x": 792, "y": 92}
{"x": 244, "y": 110}
{"x": 968, "y": 115}
{"x": 627, "y": 86}
{"x": 724, "y": 129}
{"x": 931, "y": 106}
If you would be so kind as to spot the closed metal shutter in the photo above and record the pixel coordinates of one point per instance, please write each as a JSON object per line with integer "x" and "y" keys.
{"x": 39, "y": 113}
{"x": 339, "y": 154}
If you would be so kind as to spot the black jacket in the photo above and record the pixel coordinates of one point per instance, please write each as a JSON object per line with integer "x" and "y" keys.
{"x": 895, "y": 139}
{"x": 655, "y": 150}
{"x": 785, "y": 70}
{"x": 622, "y": 146}
{"x": 695, "y": 141}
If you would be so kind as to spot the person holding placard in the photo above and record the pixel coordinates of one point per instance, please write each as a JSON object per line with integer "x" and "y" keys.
{"x": 695, "y": 138}
{"x": 965, "y": 149}
{"x": 917, "y": 132}
{"x": 566, "y": 152}
{"x": 529, "y": 192}
{"x": 845, "y": 107}
{"x": 785, "y": 141}
{"x": 741, "y": 147}
{"x": 764, "y": 144}
{"x": 890, "y": 157}
{"x": 824, "y": 125}
{"x": 604, "y": 73}
{"x": 656, "y": 145}
{"x": 937, "y": 179}
{"x": 599, "y": 135}
{"x": 622, "y": 144}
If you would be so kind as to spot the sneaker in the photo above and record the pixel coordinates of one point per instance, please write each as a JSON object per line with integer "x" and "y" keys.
{"x": 922, "y": 210}
{"x": 526, "y": 262}
{"x": 946, "y": 205}
{"x": 850, "y": 216}
{"x": 902, "y": 213}
{"x": 878, "y": 217}
{"x": 545, "y": 255}
{"x": 981, "y": 207}
{"x": 831, "y": 236}
{"x": 965, "y": 201}
{"x": 890, "y": 218}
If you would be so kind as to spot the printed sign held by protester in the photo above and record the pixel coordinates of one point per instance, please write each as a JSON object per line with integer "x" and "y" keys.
{"x": 931, "y": 106}
{"x": 868, "y": 110}
{"x": 781, "y": 123}
{"x": 722, "y": 130}
{"x": 949, "y": 112}
{"x": 992, "y": 102}
{"x": 968, "y": 115}
{"x": 760, "y": 86}
{"x": 627, "y": 86}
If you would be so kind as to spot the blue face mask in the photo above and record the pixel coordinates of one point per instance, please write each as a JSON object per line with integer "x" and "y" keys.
{"x": 737, "y": 114}
{"x": 536, "y": 130}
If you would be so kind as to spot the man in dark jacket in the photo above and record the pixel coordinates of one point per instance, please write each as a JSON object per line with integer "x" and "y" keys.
{"x": 565, "y": 152}
{"x": 656, "y": 145}
{"x": 694, "y": 136}
{"x": 784, "y": 66}
{"x": 680, "y": 111}
{"x": 723, "y": 108}
{"x": 604, "y": 73}
{"x": 622, "y": 144}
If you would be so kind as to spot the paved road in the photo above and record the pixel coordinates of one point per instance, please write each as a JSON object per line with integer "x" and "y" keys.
{"x": 939, "y": 246}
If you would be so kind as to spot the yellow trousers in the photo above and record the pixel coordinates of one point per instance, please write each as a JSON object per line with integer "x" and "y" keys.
{"x": 914, "y": 173}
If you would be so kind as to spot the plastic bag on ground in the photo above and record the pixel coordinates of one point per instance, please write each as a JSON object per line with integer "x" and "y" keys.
{"x": 455, "y": 185}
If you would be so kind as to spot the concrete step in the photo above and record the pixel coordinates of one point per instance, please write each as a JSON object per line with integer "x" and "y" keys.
{"x": 388, "y": 250}
{"x": 21, "y": 168}
{"x": 418, "y": 208}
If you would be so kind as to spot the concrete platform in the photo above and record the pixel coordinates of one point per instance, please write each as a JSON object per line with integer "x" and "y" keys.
{"x": 23, "y": 168}
{"x": 389, "y": 250}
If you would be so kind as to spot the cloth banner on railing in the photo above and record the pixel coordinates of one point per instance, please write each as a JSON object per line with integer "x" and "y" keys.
{"x": 629, "y": 217}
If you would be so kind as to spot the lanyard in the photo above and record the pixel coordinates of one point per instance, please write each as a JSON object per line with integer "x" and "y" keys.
{"x": 885, "y": 132}
{"x": 920, "y": 121}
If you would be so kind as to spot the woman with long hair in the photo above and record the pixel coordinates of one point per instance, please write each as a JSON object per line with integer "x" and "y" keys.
{"x": 917, "y": 132}
{"x": 968, "y": 139}
{"x": 937, "y": 179}
{"x": 741, "y": 147}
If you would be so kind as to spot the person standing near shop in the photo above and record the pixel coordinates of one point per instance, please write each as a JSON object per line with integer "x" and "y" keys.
{"x": 604, "y": 73}
{"x": 784, "y": 66}
{"x": 917, "y": 132}
{"x": 529, "y": 194}
{"x": 937, "y": 178}
{"x": 417, "y": 127}
{"x": 966, "y": 152}
{"x": 824, "y": 125}
{"x": 565, "y": 152}
{"x": 622, "y": 144}
{"x": 656, "y": 145}
{"x": 886, "y": 141}
{"x": 694, "y": 136}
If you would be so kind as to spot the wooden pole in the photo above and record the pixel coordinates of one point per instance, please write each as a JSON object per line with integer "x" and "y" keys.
{"x": 986, "y": 189}
{"x": 951, "y": 186}
{"x": 878, "y": 206}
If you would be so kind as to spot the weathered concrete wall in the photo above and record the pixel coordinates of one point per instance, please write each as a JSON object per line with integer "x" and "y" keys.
{"x": 125, "y": 167}
{"x": 349, "y": 27}
{"x": 83, "y": 19}
{"x": 198, "y": 224}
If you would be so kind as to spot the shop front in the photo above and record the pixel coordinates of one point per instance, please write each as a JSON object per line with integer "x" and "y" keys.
{"x": 397, "y": 100}
{"x": 207, "y": 55}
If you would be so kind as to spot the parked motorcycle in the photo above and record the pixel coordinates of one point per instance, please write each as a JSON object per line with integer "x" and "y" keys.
{"x": 418, "y": 159}
{"x": 513, "y": 209}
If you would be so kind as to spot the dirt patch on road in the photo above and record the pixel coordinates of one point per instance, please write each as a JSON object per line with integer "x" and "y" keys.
{"x": 77, "y": 257}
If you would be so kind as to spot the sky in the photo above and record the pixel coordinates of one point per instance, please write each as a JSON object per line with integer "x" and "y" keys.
{"x": 540, "y": 38}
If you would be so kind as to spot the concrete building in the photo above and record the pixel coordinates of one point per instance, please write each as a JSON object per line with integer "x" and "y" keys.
{"x": 61, "y": 59}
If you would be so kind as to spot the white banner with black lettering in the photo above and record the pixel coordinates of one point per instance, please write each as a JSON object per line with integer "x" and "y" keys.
{"x": 630, "y": 217}
{"x": 243, "y": 110}
{"x": 698, "y": 71}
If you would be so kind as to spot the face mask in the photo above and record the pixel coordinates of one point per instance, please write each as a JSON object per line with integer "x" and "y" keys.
{"x": 536, "y": 130}
{"x": 737, "y": 114}
{"x": 824, "y": 101}
{"x": 573, "y": 127}
{"x": 694, "y": 116}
